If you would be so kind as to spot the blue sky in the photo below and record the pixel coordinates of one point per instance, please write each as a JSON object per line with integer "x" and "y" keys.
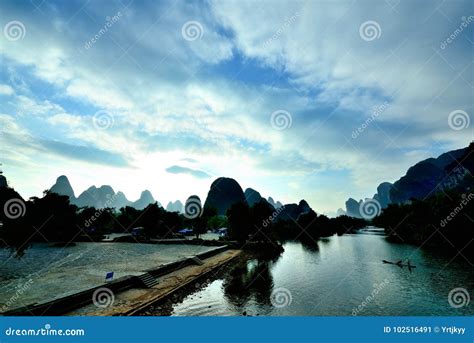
{"x": 297, "y": 99}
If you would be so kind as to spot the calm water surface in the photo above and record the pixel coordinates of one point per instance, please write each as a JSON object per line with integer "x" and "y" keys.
{"x": 334, "y": 277}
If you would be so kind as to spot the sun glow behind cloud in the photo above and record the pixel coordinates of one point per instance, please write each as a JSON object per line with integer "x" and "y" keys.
{"x": 171, "y": 98}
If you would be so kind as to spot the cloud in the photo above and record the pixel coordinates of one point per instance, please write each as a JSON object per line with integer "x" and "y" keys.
{"x": 85, "y": 153}
{"x": 212, "y": 98}
{"x": 184, "y": 170}
{"x": 187, "y": 159}
{"x": 6, "y": 90}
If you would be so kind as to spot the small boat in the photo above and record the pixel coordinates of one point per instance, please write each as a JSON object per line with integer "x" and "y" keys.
{"x": 400, "y": 264}
{"x": 389, "y": 262}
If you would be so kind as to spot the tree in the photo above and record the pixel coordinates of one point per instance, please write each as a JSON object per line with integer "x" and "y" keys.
{"x": 53, "y": 218}
{"x": 217, "y": 222}
{"x": 95, "y": 223}
{"x": 239, "y": 221}
{"x": 261, "y": 228}
{"x": 15, "y": 232}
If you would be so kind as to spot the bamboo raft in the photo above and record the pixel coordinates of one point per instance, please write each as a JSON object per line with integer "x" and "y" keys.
{"x": 401, "y": 264}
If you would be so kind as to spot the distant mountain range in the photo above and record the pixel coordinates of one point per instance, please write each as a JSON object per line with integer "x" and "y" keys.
{"x": 252, "y": 197}
{"x": 452, "y": 170}
{"x": 103, "y": 196}
{"x": 176, "y": 206}
{"x": 224, "y": 192}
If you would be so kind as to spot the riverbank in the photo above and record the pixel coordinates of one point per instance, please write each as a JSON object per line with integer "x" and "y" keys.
{"x": 47, "y": 275}
{"x": 133, "y": 301}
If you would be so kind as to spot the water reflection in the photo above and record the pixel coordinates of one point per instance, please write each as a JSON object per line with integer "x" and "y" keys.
{"x": 310, "y": 246}
{"x": 332, "y": 277}
{"x": 250, "y": 281}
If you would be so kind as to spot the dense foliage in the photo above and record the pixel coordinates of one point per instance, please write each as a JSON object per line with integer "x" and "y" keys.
{"x": 261, "y": 222}
{"x": 53, "y": 218}
{"x": 445, "y": 220}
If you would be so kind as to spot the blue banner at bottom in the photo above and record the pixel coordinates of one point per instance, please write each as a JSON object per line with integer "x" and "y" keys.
{"x": 236, "y": 329}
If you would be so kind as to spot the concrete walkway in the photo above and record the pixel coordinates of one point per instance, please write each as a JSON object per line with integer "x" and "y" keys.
{"x": 132, "y": 301}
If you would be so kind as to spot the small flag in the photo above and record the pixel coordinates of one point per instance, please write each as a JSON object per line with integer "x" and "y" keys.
{"x": 109, "y": 276}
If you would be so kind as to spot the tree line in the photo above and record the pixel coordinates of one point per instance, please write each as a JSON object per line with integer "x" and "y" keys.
{"x": 52, "y": 218}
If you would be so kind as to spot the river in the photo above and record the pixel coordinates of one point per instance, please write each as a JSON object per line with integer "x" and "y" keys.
{"x": 340, "y": 275}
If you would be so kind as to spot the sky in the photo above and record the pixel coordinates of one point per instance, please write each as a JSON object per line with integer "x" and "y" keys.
{"x": 312, "y": 100}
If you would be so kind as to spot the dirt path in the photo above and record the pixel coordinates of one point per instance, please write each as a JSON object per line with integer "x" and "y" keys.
{"x": 132, "y": 301}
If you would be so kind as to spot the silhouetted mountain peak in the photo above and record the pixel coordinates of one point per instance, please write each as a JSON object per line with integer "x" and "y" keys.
{"x": 3, "y": 182}
{"x": 145, "y": 199}
{"x": 273, "y": 203}
{"x": 106, "y": 189}
{"x": 63, "y": 187}
{"x": 224, "y": 192}
{"x": 450, "y": 171}
{"x": 293, "y": 211}
{"x": 252, "y": 196}
{"x": 426, "y": 177}
{"x": 176, "y": 206}
{"x": 303, "y": 205}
